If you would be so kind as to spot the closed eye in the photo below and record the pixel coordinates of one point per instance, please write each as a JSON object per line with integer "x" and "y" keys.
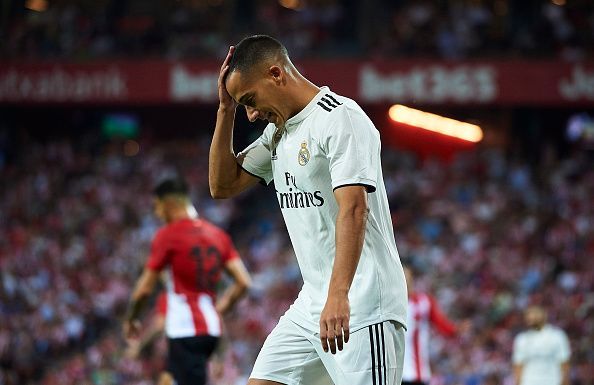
{"x": 248, "y": 100}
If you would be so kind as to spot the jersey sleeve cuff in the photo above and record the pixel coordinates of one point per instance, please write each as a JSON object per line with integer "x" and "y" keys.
{"x": 254, "y": 173}
{"x": 368, "y": 183}
{"x": 154, "y": 267}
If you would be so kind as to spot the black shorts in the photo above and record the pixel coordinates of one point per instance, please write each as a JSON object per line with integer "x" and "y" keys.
{"x": 188, "y": 358}
{"x": 413, "y": 383}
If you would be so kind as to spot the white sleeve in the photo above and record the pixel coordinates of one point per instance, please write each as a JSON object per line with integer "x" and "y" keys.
{"x": 564, "y": 350}
{"x": 519, "y": 352}
{"x": 255, "y": 159}
{"x": 352, "y": 146}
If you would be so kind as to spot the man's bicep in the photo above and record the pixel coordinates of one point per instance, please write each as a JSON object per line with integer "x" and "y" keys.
{"x": 246, "y": 179}
{"x": 255, "y": 161}
{"x": 159, "y": 256}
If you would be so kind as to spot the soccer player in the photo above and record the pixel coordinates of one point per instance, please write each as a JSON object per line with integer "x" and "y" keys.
{"x": 323, "y": 153}
{"x": 192, "y": 253}
{"x": 423, "y": 312}
{"x": 540, "y": 354}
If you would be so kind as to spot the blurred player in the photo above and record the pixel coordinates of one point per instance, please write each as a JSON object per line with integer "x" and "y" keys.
{"x": 136, "y": 346}
{"x": 423, "y": 312}
{"x": 323, "y": 153}
{"x": 541, "y": 354}
{"x": 192, "y": 253}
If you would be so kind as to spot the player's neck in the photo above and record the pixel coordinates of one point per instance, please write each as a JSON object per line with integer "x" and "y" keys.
{"x": 179, "y": 214}
{"x": 303, "y": 92}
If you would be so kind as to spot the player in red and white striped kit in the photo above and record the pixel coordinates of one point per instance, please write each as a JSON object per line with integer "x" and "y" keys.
{"x": 423, "y": 313}
{"x": 191, "y": 253}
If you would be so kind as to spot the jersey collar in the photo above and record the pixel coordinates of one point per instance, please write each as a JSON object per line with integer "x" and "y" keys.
{"x": 308, "y": 109}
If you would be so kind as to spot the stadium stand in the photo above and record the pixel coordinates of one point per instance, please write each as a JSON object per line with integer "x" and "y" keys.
{"x": 491, "y": 233}
{"x": 86, "y": 30}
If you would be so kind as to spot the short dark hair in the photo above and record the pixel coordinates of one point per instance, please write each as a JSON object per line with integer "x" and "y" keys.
{"x": 173, "y": 186}
{"x": 253, "y": 50}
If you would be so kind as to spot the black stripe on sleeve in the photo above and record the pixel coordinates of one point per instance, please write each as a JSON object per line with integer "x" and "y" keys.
{"x": 379, "y": 354}
{"x": 333, "y": 99}
{"x": 368, "y": 187}
{"x": 328, "y": 102}
{"x": 384, "y": 355}
{"x": 372, "y": 355}
{"x": 324, "y": 107}
{"x": 262, "y": 181}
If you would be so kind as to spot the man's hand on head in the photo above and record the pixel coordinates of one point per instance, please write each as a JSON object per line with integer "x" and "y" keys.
{"x": 226, "y": 102}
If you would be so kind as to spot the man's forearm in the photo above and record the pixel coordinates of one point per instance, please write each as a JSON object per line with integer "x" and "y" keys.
{"x": 518, "y": 374}
{"x": 135, "y": 307}
{"x": 222, "y": 164}
{"x": 230, "y": 297}
{"x": 350, "y": 235}
{"x": 565, "y": 373}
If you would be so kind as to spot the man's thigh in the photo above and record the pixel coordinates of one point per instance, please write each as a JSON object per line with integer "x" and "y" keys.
{"x": 289, "y": 357}
{"x": 292, "y": 355}
{"x": 374, "y": 355}
{"x": 187, "y": 358}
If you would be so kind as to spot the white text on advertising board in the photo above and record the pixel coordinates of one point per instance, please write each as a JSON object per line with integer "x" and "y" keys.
{"x": 579, "y": 85}
{"x": 433, "y": 84}
{"x": 185, "y": 85}
{"x": 58, "y": 85}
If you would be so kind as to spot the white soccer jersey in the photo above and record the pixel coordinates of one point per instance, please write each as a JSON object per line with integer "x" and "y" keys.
{"x": 541, "y": 353}
{"x": 329, "y": 144}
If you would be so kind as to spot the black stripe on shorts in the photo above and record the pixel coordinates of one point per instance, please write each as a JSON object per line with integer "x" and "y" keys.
{"x": 378, "y": 354}
{"x": 372, "y": 355}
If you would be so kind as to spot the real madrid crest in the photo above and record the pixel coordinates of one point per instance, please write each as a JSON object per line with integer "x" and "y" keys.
{"x": 303, "y": 156}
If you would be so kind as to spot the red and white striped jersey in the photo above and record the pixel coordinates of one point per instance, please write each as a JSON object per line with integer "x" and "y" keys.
{"x": 192, "y": 253}
{"x": 423, "y": 312}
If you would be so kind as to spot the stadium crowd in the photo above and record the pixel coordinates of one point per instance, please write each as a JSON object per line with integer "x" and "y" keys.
{"x": 86, "y": 30}
{"x": 489, "y": 234}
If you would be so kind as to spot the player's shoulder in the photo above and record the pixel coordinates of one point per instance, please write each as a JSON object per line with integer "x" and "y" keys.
{"x": 212, "y": 229}
{"x": 332, "y": 104}
{"x": 163, "y": 232}
{"x": 426, "y": 300}
{"x": 334, "y": 109}
{"x": 521, "y": 336}
{"x": 268, "y": 132}
{"x": 555, "y": 330}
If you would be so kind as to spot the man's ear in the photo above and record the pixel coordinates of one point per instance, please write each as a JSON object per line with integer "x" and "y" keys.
{"x": 276, "y": 73}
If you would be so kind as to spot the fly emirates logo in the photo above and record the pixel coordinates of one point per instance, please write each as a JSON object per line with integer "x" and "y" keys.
{"x": 298, "y": 199}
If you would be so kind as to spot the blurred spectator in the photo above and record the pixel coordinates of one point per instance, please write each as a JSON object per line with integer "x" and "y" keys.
{"x": 312, "y": 28}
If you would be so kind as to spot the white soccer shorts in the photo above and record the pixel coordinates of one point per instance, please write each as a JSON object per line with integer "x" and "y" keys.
{"x": 293, "y": 355}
